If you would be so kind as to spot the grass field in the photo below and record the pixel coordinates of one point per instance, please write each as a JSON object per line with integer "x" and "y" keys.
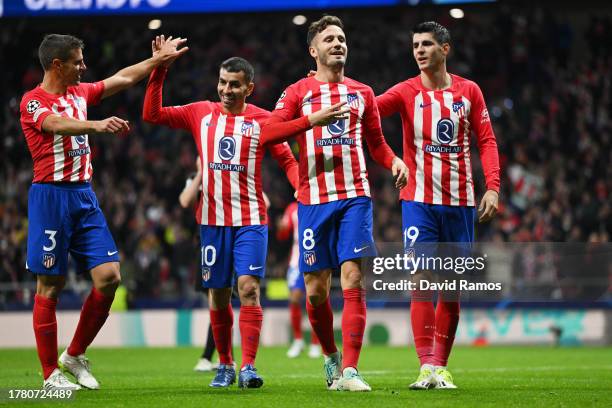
{"x": 493, "y": 376}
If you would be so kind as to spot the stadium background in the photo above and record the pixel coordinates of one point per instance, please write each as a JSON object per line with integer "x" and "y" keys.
{"x": 545, "y": 69}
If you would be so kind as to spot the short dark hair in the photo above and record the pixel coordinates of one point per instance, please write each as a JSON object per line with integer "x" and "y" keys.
{"x": 440, "y": 33}
{"x": 237, "y": 64}
{"x": 57, "y": 46}
{"x": 321, "y": 24}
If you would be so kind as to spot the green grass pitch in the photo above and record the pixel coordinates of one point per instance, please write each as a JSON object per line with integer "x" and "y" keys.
{"x": 489, "y": 376}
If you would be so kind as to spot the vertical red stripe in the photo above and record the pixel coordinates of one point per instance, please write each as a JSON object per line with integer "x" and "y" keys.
{"x": 68, "y": 161}
{"x": 304, "y": 187}
{"x": 337, "y": 150}
{"x": 461, "y": 155}
{"x": 263, "y": 212}
{"x": 445, "y": 176}
{"x": 212, "y": 205}
{"x": 427, "y": 139}
{"x": 226, "y": 183}
{"x": 242, "y": 178}
{"x": 410, "y": 150}
{"x": 318, "y": 151}
{"x": 355, "y": 164}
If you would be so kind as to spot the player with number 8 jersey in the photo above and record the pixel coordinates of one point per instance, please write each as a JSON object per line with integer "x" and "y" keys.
{"x": 231, "y": 211}
{"x": 331, "y": 116}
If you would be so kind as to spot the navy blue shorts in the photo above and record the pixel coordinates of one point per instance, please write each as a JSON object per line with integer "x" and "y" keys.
{"x": 229, "y": 252}
{"x": 433, "y": 230}
{"x": 62, "y": 219}
{"x": 335, "y": 232}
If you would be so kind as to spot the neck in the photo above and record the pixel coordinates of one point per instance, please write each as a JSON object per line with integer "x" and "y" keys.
{"x": 330, "y": 74}
{"x": 53, "y": 85}
{"x": 437, "y": 79}
{"x": 234, "y": 111}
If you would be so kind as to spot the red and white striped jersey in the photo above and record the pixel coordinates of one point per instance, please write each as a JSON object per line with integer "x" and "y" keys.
{"x": 437, "y": 127}
{"x": 230, "y": 155}
{"x": 331, "y": 163}
{"x": 59, "y": 158}
{"x": 290, "y": 226}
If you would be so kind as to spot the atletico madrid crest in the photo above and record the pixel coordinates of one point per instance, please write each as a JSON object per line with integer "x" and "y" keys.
{"x": 48, "y": 260}
{"x": 353, "y": 100}
{"x": 459, "y": 109}
{"x": 246, "y": 129}
{"x": 310, "y": 258}
{"x": 205, "y": 273}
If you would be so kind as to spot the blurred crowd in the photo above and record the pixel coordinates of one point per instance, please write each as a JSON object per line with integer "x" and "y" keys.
{"x": 546, "y": 77}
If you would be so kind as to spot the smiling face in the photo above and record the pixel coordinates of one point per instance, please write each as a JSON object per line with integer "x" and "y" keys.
{"x": 71, "y": 70}
{"x": 428, "y": 53}
{"x": 329, "y": 47}
{"x": 233, "y": 90}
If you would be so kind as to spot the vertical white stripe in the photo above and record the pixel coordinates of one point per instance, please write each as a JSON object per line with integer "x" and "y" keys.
{"x": 436, "y": 158}
{"x": 469, "y": 188}
{"x": 310, "y": 153}
{"x": 81, "y": 108}
{"x": 217, "y": 191}
{"x": 59, "y": 157}
{"x": 234, "y": 175}
{"x": 453, "y": 157}
{"x": 347, "y": 164}
{"x": 253, "y": 203}
{"x": 363, "y": 172}
{"x": 328, "y": 151}
{"x": 204, "y": 143}
{"x": 419, "y": 177}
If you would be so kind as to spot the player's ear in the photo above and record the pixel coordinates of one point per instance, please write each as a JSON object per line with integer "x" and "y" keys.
{"x": 312, "y": 51}
{"x": 446, "y": 48}
{"x": 56, "y": 63}
{"x": 250, "y": 88}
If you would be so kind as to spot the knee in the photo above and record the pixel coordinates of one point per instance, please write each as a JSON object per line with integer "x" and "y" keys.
{"x": 50, "y": 290}
{"x": 110, "y": 279}
{"x": 352, "y": 278}
{"x": 317, "y": 292}
{"x": 249, "y": 292}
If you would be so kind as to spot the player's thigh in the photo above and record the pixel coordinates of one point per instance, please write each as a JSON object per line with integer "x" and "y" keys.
{"x": 355, "y": 239}
{"x": 216, "y": 256}
{"x": 458, "y": 224}
{"x": 92, "y": 243}
{"x": 49, "y": 231}
{"x": 250, "y": 250}
{"x": 317, "y": 235}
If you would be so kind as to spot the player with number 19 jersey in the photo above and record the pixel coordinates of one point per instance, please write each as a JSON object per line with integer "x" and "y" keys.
{"x": 63, "y": 211}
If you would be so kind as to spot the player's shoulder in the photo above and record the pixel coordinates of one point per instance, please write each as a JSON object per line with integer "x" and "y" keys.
{"x": 33, "y": 99}
{"x": 464, "y": 83}
{"x": 353, "y": 83}
{"x": 256, "y": 112}
{"x": 408, "y": 86}
{"x": 301, "y": 86}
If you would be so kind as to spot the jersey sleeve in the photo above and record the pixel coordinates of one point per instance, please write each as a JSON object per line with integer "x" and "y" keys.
{"x": 281, "y": 125}
{"x": 391, "y": 101}
{"x": 487, "y": 145}
{"x": 33, "y": 112}
{"x": 93, "y": 92}
{"x": 372, "y": 130}
{"x": 177, "y": 117}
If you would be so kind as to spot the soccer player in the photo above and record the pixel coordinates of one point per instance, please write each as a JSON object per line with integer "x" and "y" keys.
{"x": 63, "y": 212}
{"x": 439, "y": 111}
{"x": 331, "y": 115}
{"x": 288, "y": 226}
{"x": 232, "y": 214}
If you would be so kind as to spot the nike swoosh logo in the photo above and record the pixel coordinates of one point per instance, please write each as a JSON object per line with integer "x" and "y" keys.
{"x": 426, "y": 105}
{"x": 358, "y": 250}
{"x": 254, "y": 268}
{"x": 109, "y": 253}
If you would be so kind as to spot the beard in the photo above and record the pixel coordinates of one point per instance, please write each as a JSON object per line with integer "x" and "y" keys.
{"x": 331, "y": 61}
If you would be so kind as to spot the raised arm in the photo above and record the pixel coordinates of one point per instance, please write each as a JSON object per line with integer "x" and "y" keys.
{"x": 166, "y": 52}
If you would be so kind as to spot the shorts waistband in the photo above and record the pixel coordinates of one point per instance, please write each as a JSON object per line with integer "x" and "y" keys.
{"x": 67, "y": 186}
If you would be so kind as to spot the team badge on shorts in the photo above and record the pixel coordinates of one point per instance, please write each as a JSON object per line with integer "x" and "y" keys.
{"x": 310, "y": 258}
{"x": 205, "y": 273}
{"x": 48, "y": 260}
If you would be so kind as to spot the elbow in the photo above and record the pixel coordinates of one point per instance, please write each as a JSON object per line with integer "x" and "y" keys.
{"x": 183, "y": 202}
{"x": 149, "y": 117}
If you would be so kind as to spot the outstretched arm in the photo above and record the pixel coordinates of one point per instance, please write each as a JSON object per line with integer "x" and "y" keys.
{"x": 133, "y": 74}
{"x": 73, "y": 127}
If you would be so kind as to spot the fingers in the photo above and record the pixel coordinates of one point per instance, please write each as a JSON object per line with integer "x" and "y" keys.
{"x": 116, "y": 125}
{"x": 486, "y": 213}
